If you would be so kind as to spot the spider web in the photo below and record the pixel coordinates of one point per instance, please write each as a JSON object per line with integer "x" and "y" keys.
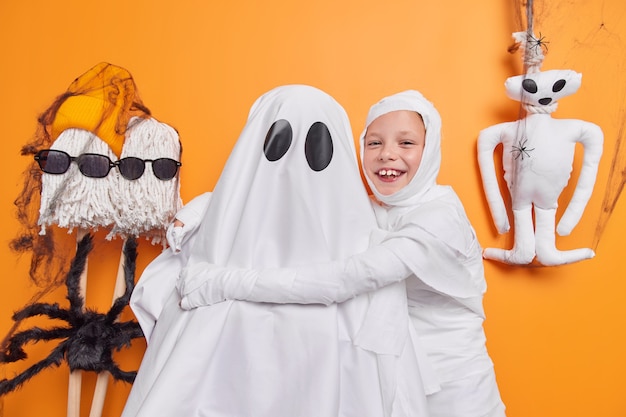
{"x": 590, "y": 42}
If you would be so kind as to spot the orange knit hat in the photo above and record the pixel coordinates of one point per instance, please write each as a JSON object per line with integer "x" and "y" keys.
{"x": 102, "y": 101}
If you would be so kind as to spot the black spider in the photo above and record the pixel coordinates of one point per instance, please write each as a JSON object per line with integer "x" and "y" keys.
{"x": 538, "y": 42}
{"x": 90, "y": 337}
{"x": 521, "y": 150}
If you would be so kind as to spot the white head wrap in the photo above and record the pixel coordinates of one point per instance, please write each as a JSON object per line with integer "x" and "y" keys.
{"x": 454, "y": 264}
{"x": 426, "y": 176}
{"x": 283, "y": 212}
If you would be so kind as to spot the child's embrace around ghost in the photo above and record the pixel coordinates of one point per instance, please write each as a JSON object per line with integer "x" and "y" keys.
{"x": 429, "y": 255}
{"x": 289, "y": 194}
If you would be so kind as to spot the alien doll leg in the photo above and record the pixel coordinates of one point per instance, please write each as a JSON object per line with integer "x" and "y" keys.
{"x": 523, "y": 250}
{"x": 547, "y": 253}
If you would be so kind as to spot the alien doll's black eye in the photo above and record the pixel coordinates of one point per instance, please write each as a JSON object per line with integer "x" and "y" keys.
{"x": 558, "y": 86}
{"x": 529, "y": 86}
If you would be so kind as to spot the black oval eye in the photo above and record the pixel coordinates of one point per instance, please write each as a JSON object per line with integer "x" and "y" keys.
{"x": 318, "y": 147}
{"x": 277, "y": 140}
{"x": 558, "y": 86}
{"x": 529, "y": 85}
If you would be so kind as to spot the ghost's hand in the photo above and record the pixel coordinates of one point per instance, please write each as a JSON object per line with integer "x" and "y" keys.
{"x": 174, "y": 235}
{"x": 186, "y": 222}
{"x": 205, "y": 284}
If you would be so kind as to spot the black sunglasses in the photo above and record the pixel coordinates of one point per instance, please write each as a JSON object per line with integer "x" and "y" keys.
{"x": 94, "y": 165}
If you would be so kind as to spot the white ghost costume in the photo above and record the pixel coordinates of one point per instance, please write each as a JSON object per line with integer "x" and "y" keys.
{"x": 431, "y": 246}
{"x": 279, "y": 203}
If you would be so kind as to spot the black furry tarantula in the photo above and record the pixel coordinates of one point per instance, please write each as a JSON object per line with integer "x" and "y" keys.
{"x": 89, "y": 337}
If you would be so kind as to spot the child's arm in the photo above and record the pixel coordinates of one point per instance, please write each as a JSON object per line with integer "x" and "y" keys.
{"x": 206, "y": 284}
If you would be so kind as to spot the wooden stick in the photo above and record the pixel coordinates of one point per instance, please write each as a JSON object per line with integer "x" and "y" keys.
{"x": 97, "y": 403}
{"x": 73, "y": 393}
{"x": 76, "y": 377}
{"x": 99, "y": 394}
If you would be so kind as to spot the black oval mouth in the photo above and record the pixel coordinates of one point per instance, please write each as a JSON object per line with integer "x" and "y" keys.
{"x": 545, "y": 101}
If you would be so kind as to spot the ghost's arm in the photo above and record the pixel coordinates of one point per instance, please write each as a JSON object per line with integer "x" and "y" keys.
{"x": 488, "y": 139}
{"x": 206, "y": 284}
{"x": 192, "y": 212}
{"x": 591, "y": 137}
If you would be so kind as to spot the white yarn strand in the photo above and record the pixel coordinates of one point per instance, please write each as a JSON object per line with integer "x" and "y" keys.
{"x": 71, "y": 200}
{"x": 147, "y": 205}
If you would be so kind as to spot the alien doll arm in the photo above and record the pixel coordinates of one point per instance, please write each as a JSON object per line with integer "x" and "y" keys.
{"x": 488, "y": 139}
{"x": 591, "y": 137}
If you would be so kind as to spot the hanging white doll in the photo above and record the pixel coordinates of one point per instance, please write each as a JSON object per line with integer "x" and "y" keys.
{"x": 537, "y": 157}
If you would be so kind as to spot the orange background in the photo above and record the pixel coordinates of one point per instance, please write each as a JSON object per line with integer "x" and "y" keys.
{"x": 556, "y": 335}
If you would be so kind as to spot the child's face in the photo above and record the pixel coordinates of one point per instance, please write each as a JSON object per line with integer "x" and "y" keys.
{"x": 393, "y": 147}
